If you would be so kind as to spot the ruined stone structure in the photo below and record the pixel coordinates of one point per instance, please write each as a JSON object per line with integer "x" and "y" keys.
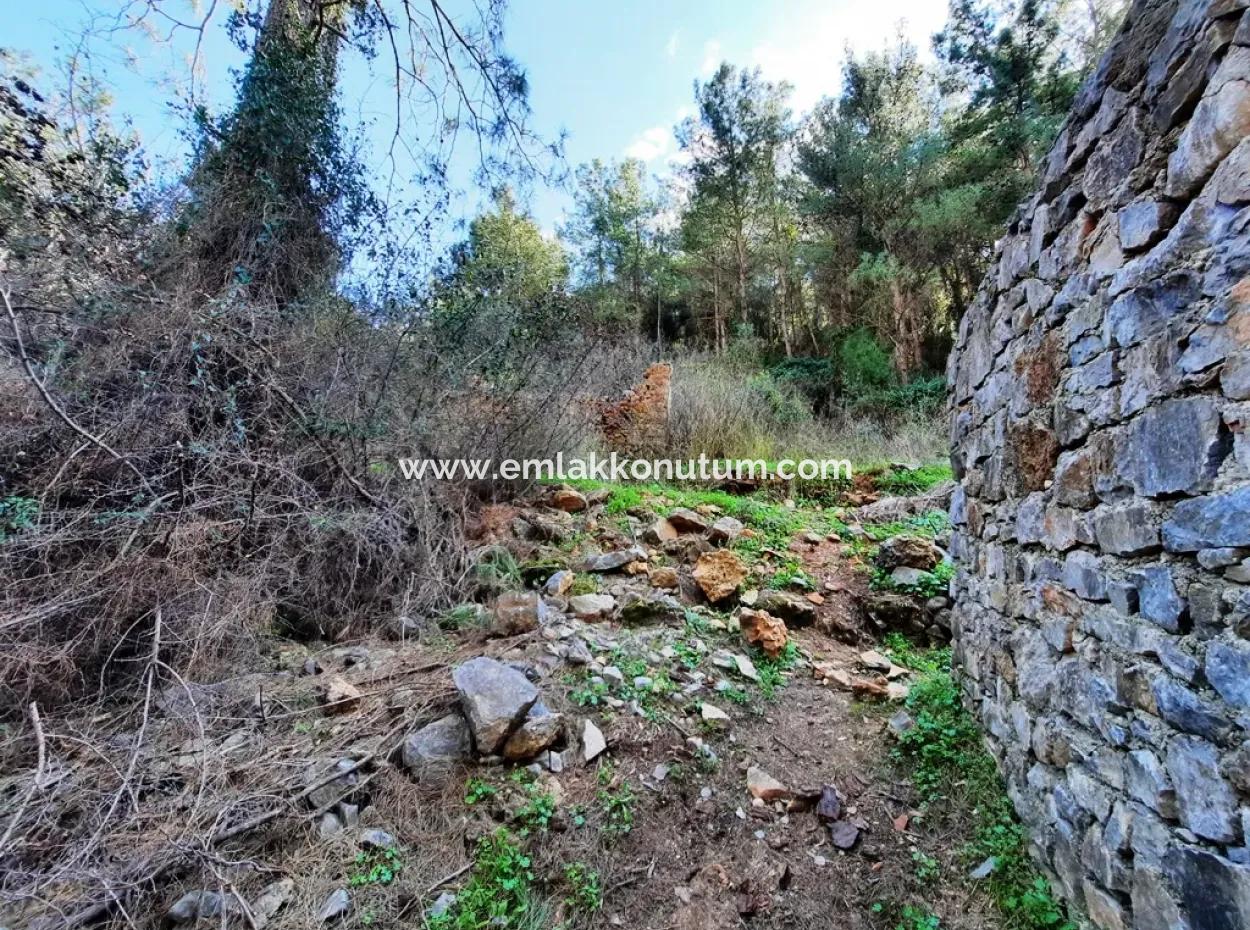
{"x": 1100, "y": 404}
{"x": 638, "y": 423}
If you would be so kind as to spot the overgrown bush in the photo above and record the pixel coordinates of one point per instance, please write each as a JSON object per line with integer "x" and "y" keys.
{"x": 207, "y": 467}
{"x": 719, "y": 412}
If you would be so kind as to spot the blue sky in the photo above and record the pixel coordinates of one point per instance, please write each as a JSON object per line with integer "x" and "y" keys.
{"x": 616, "y": 76}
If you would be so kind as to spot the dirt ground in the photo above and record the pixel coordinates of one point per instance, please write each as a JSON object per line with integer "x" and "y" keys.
{"x": 218, "y": 778}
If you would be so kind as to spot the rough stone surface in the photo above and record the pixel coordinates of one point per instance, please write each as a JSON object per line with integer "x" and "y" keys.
{"x": 908, "y": 552}
{"x": 518, "y": 612}
{"x": 540, "y": 729}
{"x": 495, "y": 698}
{"x": 794, "y": 609}
{"x": 611, "y": 561}
{"x": 591, "y": 606}
{"x": 718, "y": 574}
{"x": 724, "y": 530}
{"x": 1101, "y": 443}
{"x": 762, "y": 629}
{"x": 436, "y": 746}
{"x": 687, "y": 521}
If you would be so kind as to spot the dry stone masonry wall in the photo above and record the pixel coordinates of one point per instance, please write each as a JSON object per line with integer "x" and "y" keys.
{"x": 1101, "y": 398}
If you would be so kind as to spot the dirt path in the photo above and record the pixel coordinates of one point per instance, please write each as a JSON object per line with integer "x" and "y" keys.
{"x": 659, "y": 831}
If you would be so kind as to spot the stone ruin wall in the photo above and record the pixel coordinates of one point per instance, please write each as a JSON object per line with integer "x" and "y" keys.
{"x": 1101, "y": 397}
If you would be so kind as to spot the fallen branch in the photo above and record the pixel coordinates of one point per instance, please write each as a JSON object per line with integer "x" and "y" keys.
{"x": 36, "y": 782}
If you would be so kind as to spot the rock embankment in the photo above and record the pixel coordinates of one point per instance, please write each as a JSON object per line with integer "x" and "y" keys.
{"x": 1101, "y": 393}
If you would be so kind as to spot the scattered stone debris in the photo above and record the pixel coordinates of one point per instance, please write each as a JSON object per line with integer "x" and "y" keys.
{"x": 341, "y": 696}
{"x": 713, "y": 715}
{"x": 518, "y": 612}
{"x": 829, "y": 807}
{"x": 271, "y": 900}
{"x": 639, "y": 609}
{"x": 724, "y": 531}
{"x": 913, "y": 552}
{"x": 437, "y": 746}
{"x": 195, "y": 905}
{"x": 687, "y": 521}
{"x": 611, "y": 561}
{"x": 442, "y": 904}
{"x": 794, "y": 609}
{"x": 592, "y": 606}
{"x": 875, "y": 661}
{"x": 659, "y": 532}
{"x": 567, "y": 499}
{"x": 843, "y": 834}
{"x": 900, "y": 723}
{"x": 336, "y": 906}
{"x": 891, "y": 509}
{"x": 558, "y": 584}
{"x": 540, "y": 730}
{"x": 746, "y": 668}
{"x": 984, "y": 870}
{"x": 763, "y": 786}
{"x": 663, "y": 576}
{"x": 377, "y": 839}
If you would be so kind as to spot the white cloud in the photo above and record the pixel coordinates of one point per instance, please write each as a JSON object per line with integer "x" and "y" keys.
{"x": 811, "y": 58}
{"x": 674, "y": 43}
{"x": 712, "y": 57}
{"x": 651, "y": 144}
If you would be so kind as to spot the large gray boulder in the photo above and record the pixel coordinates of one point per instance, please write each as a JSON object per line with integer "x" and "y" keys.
{"x": 495, "y": 698}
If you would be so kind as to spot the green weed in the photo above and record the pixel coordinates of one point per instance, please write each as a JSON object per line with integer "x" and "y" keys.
{"x": 930, "y": 584}
{"x": 16, "y": 514}
{"x": 772, "y": 671}
{"x": 913, "y": 481}
{"x": 501, "y": 892}
{"x": 585, "y": 891}
{"x": 537, "y": 811}
{"x": 375, "y": 867}
{"x": 944, "y": 753}
{"x": 584, "y": 583}
{"x": 476, "y": 791}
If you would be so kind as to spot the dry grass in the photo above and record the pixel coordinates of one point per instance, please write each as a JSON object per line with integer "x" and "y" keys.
{"x": 729, "y": 412}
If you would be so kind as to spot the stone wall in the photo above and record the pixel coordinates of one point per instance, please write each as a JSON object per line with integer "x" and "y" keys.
{"x": 1101, "y": 396}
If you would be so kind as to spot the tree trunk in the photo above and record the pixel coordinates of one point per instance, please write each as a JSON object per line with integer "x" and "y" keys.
{"x": 908, "y": 341}
{"x": 264, "y": 193}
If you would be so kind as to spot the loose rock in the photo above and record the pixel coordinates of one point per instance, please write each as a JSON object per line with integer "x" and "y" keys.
{"x": 764, "y": 786}
{"x": 593, "y": 742}
{"x": 341, "y": 696}
{"x": 762, "y": 629}
{"x": 437, "y": 746}
{"x": 518, "y": 612}
{"x": 719, "y": 574}
{"x": 336, "y": 905}
{"x": 495, "y": 698}
{"x": 687, "y": 521}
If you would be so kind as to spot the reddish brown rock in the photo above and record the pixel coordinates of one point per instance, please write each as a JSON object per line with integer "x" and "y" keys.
{"x": 663, "y": 576}
{"x": 568, "y": 500}
{"x": 762, "y": 629}
{"x": 719, "y": 574}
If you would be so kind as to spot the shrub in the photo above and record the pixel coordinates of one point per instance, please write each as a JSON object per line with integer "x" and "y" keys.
{"x": 863, "y": 365}
{"x": 718, "y": 412}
